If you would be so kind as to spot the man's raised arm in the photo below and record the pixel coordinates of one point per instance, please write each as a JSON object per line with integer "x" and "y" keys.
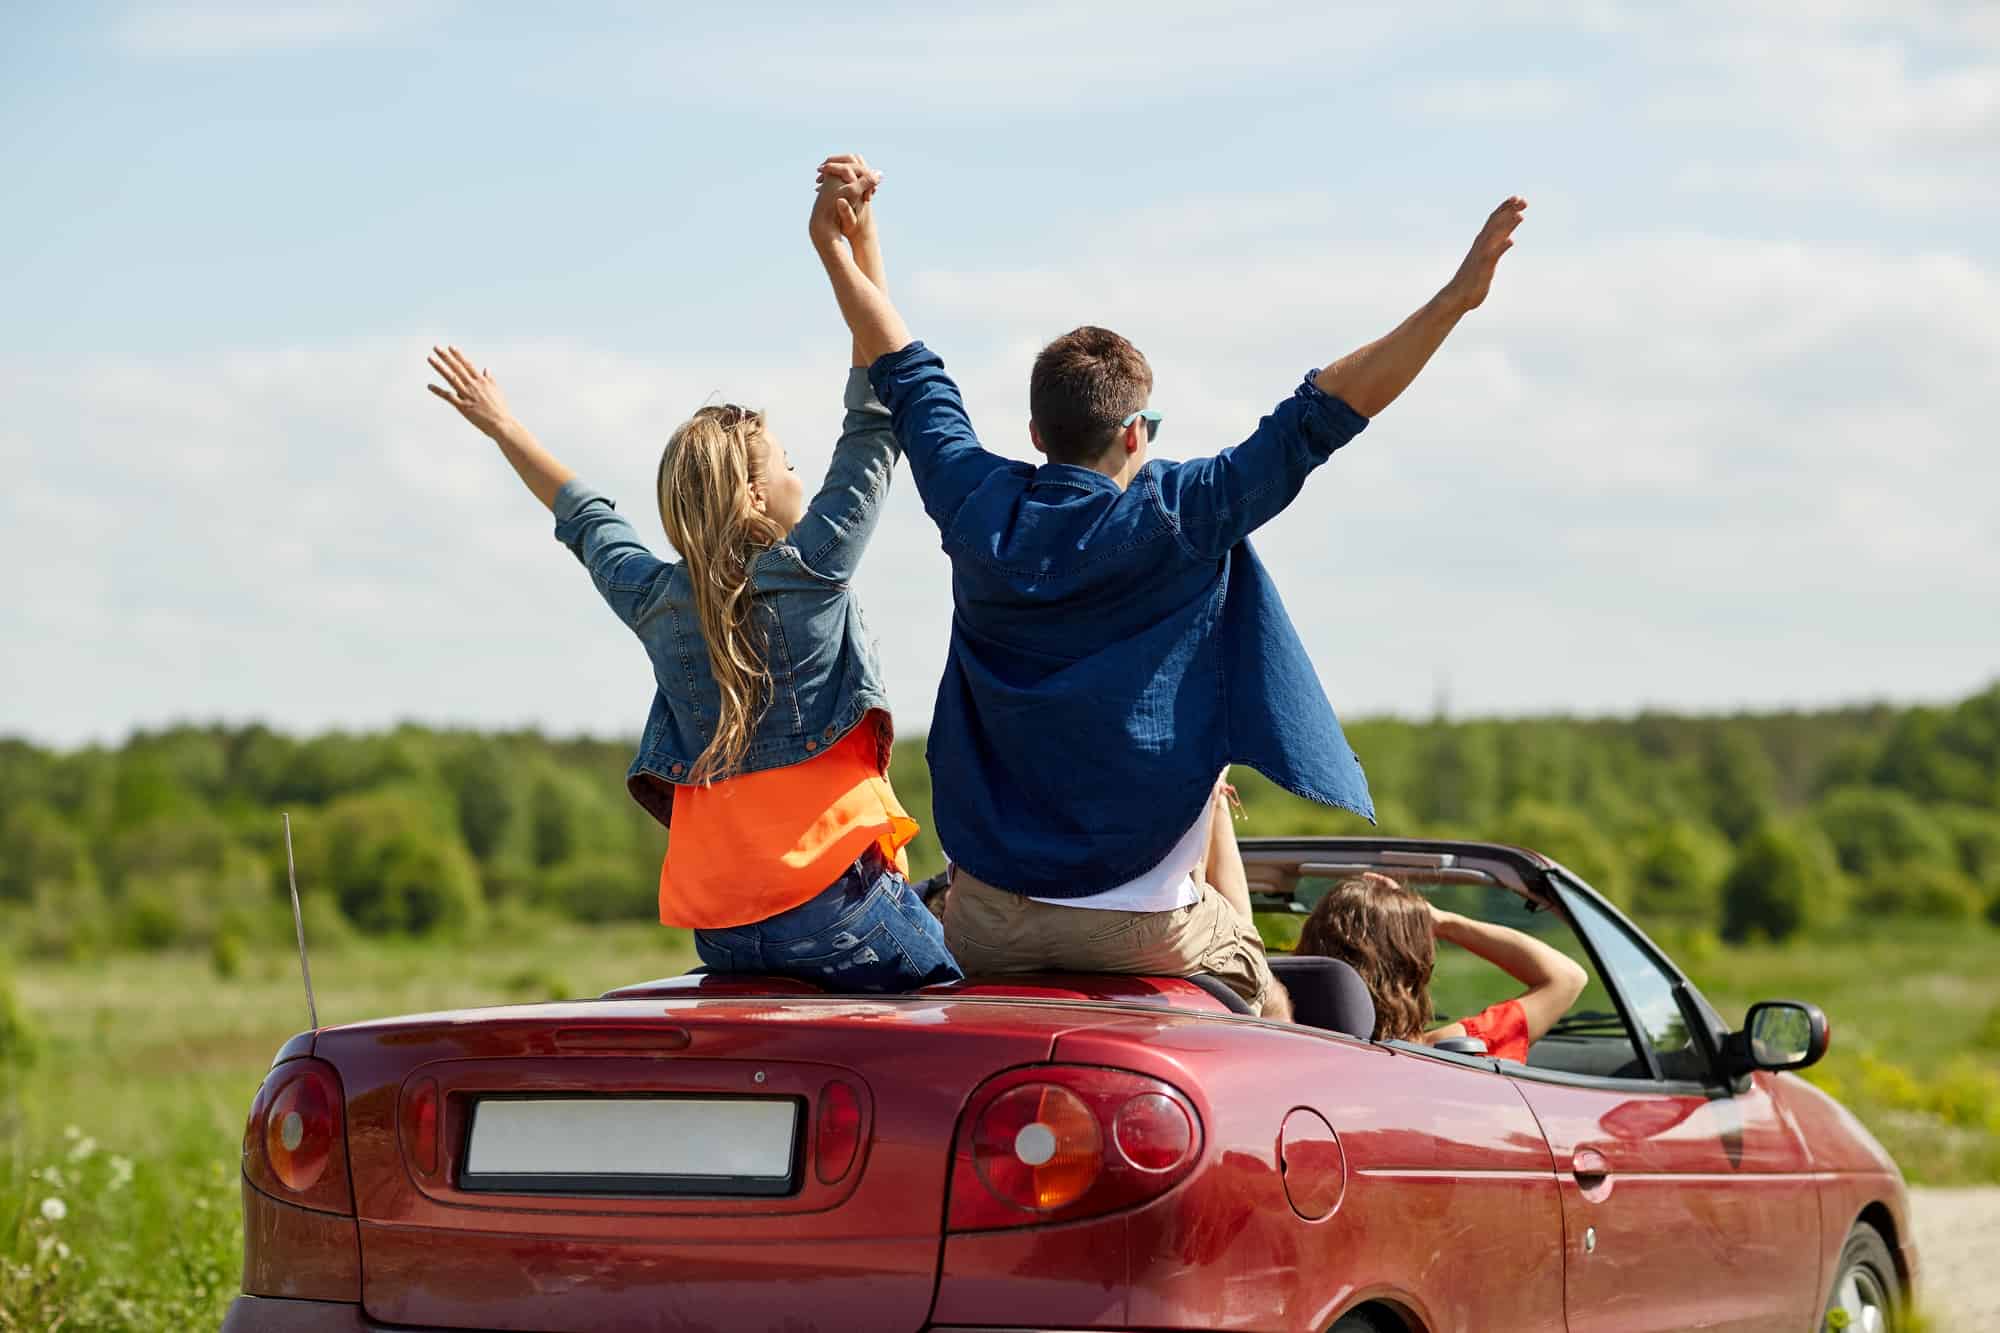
{"x": 871, "y": 316}
{"x": 1369, "y": 378}
{"x": 925, "y": 408}
{"x": 1221, "y": 500}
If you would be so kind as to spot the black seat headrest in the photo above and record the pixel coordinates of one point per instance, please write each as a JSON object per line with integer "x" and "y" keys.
{"x": 1326, "y": 993}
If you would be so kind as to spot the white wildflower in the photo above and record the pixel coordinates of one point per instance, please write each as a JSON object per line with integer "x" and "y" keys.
{"x": 54, "y": 1210}
{"x": 63, "y": 1250}
{"x": 72, "y": 1132}
{"x": 121, "y": 1172}
{"x": 81, "y": 1150}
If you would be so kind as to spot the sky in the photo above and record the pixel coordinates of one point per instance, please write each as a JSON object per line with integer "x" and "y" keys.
{"x": 1722, "y": 436}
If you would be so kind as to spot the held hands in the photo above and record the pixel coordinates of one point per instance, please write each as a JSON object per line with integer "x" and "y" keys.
{"x": 846, "y": 184}
{"x": 1468, "y": 287}
{"x": 473, "y": 392}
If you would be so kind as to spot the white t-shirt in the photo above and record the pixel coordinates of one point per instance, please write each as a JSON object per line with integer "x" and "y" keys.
{"x": 1167, "y": 886}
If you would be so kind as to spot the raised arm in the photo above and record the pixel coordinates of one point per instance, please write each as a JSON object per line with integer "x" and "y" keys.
{"x": 1216, "y": 502}
{"x": 864, "y": 303}
{"x": 619, "y": 563}
{"x": 1553, "y": 980}
{"x": 836, "y": 526}
{"x": 926, "y": 410}
{"x": 479, "y": 400}
{"x": 1369, "y": 378}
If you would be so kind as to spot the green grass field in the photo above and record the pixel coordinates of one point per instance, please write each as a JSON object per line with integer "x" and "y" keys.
{"x": 119, "y": 1136}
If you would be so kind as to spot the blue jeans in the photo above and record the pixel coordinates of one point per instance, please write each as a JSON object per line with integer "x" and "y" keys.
{"x": 867, "y": 931}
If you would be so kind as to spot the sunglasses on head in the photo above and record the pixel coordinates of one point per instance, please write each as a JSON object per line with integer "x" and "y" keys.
{"x": 1147, "y": 415}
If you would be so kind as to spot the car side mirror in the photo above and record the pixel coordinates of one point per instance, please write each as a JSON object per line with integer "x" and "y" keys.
{"x": 1779, "y": 1035}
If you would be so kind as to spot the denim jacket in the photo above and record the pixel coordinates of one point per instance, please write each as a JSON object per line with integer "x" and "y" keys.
{"x": 1112, "y": 649}
{"x": 824, "y": 673}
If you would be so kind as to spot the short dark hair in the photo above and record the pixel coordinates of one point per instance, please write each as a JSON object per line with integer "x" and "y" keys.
{"x": 1084, "y": 384}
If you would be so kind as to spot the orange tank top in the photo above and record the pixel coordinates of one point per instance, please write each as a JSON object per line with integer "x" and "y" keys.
{"x": 749, "y": 847}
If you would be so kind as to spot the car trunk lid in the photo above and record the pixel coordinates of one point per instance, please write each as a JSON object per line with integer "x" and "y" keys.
{"x": 648, "y": 1163}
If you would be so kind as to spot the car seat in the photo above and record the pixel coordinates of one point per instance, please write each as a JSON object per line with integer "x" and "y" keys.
{"x": 1326, "y": 993}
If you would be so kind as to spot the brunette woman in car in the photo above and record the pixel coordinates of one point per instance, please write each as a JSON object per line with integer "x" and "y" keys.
{"x": 1388, "y": 933}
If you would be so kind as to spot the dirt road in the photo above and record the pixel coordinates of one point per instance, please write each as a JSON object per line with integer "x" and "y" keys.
{"x": 1958, "y": 1238}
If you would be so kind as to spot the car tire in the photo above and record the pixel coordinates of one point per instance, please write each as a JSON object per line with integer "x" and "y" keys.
{"x": 1865, "y": 1296}
{"x": 1365, "y": 1321}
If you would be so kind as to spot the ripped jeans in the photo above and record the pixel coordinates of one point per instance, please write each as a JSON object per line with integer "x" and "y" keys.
{"x": 867, "y": 931}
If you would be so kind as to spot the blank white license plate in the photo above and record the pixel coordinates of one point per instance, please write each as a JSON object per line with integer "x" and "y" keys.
{"x": 624, "y": 1145}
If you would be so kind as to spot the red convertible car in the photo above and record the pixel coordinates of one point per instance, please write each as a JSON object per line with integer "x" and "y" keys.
{"x": 1070, "y": 1153}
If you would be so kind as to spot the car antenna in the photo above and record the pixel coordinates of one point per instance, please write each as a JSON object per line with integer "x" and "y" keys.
{"x": 299, "y": 924}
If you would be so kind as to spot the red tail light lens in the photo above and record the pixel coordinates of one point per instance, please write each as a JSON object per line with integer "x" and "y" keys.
{"x": 839, "y": 1135}
{"x": 1058, "y": 1142}
{"x": 420, "y": 1126}
{"x": 1153, "y": 1132}
{"x": 294, "y": 1147}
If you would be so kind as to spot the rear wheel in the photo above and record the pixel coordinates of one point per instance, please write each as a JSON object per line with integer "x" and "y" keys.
{"x": 1366, "y": 1321}
{"x": 1865, "y": 1297}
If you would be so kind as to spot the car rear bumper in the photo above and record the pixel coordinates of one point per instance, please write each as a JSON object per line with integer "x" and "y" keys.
{"x": 273, "y": 1314}
{"x": 270, "y": 1314}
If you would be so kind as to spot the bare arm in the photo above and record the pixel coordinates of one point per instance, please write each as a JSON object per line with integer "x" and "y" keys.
{"x": 479, "y": 400}
{"x": 1370, "y": 378}
{"x": 1553, "y": 980}
{"x": 864, "y": 301}
{"x": 865, "y": 243}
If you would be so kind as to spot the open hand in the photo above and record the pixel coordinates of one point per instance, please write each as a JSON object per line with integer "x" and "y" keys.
{"x": 1468, "y": 287}
{"x": 473, "y": 392}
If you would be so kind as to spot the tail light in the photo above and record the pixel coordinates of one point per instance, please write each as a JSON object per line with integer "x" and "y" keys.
{"x": 295, "y": 1143}
{"x": 1053, "y": 1143}
{"x": 420, "y": 1126}
{"x": 838, "y": 1136}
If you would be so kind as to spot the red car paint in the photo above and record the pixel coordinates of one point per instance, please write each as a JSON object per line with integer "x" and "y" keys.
{"x": 1330, "y": 1173}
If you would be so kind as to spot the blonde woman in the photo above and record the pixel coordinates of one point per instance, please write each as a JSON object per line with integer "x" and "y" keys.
{"x": 766, "y": 752}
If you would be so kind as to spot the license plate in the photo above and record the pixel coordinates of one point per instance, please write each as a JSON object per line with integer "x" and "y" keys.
{"x": 632, "y": 1145}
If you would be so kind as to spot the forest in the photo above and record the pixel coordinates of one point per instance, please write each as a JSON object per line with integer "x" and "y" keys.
{"x": 1752, "y": 826}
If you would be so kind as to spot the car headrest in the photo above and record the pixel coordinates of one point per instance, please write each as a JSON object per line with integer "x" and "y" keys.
{"x": 1326, "y": 993}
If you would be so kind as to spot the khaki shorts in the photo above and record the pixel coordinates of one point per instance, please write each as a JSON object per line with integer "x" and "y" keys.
{"x": 992, "y": 932}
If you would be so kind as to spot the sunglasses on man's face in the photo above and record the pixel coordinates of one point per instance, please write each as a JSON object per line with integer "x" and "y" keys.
{"x": 1147, "y": 415}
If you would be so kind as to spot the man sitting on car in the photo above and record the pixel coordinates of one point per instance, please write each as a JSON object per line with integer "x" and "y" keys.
{"x": 1116, "y": 643}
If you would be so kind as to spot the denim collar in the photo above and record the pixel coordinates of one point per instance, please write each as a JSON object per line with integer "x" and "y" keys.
{"x": 1069, "y": 474}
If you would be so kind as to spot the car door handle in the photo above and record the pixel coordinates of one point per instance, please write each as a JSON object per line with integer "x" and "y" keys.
{"x": 1589, "y": 1168}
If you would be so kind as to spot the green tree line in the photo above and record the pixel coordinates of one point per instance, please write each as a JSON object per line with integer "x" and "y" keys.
{"x": 1747, "y": 825}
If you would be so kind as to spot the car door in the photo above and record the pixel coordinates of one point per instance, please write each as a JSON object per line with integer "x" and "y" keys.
{"x": 1687, "y": 1203}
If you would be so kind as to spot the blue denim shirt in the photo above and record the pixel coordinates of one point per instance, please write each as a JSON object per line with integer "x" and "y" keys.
{"x": 1111, "y": 649}
{"x": 824, "y": 673}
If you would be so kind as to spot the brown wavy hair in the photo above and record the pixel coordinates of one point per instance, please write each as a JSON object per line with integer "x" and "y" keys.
{"x": 1383, "y": 931}
{"x": 707, "y": 472}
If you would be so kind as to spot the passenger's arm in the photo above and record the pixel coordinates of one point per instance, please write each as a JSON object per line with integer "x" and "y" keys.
{"x": 478, "y": 399}
{"x": 926, "y": 410}
{"x": 1553, "y": 980}
{"x": 1369, "y": 378}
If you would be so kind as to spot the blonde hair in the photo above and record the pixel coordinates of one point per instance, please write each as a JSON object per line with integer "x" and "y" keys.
{"x": 707, "y": 471}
